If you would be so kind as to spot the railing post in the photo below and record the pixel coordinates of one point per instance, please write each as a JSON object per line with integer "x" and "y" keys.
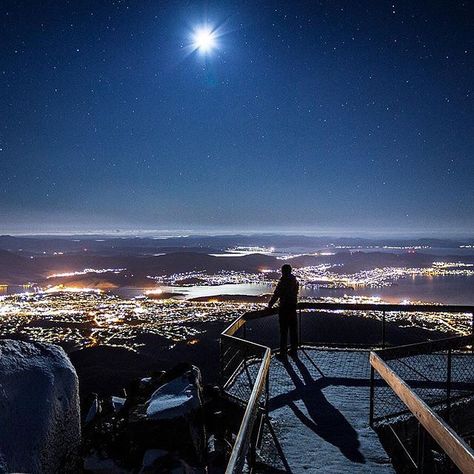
{"x": 372, "y": 396}
{"x": 253, "y": 454}
{"x": 383, "y": 328}
{"x": 221, "y": 364}
{"x": 267, "y": 393}
{"x": 472, "y": 331}
{"x": 299, "y": 327}
{"x": 420, "y": 459}
{"x": 448, "y": 387}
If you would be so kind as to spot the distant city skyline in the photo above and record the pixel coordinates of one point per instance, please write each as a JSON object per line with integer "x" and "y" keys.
{"x": 329, "y": 117}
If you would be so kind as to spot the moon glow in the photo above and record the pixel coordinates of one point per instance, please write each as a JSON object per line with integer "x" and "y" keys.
{"x": 204, "y": 40}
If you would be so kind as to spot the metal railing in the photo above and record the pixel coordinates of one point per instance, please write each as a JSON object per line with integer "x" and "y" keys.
{"x": 245, "y": 363}
{"x": 251, "y": 361}
{"x": 425, "y": 390}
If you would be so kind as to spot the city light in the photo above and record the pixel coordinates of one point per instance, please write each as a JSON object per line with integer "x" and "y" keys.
{"x": 86, "y": 271}
{"x": 71, "y": 289}
{"x": 80, "y": 319}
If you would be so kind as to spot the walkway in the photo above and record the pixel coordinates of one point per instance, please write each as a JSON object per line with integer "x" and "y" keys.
{"x": 319, "y": 410}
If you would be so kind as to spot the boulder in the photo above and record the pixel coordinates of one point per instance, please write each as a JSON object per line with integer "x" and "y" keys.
{"x": 172, "y": 417}
{"x": 176, "y": 398}
{"x": 39, "y": 408}
{"x": 158, "y": 427}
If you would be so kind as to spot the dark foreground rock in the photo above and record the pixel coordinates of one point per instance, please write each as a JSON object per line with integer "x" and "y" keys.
{"x": 158, "y": 426}
{"x": 39, "y": 409}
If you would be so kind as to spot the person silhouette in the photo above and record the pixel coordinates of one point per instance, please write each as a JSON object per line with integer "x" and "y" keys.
{"x": 287, "y": 292}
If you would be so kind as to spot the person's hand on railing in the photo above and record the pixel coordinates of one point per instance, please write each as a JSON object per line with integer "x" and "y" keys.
{"x": 260, "y": 313}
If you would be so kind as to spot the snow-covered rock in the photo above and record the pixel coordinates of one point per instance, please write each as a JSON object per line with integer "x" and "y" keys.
{"x": 39, "y": 408}
{"x": 158, "y": 427}
{"x": 176, "y": 398}
{"x": 172, "y": 418}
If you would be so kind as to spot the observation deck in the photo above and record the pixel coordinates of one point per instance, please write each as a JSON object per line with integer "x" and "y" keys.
{"x": 315, "y": 412}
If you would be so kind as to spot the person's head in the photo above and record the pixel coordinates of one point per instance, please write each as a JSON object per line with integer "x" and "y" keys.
{"x": 286, "y": 270}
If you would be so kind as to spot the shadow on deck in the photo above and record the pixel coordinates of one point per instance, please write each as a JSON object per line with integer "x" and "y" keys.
{"x": 319, "y": 406}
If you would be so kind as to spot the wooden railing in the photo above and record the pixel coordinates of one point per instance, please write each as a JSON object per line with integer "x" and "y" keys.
{"x": 243, "y": 439}
{"x": 444, "y": 435}
{"x": 254, "y": 408}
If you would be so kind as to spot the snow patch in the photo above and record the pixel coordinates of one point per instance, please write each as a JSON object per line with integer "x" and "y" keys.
{"x": 175, "y": 398}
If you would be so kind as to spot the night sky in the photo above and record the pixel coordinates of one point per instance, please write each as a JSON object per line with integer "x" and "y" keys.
{"x": 306, "y": 116}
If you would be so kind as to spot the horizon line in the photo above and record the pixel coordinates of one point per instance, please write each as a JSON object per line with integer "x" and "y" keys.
{"x": 163, "y": 234}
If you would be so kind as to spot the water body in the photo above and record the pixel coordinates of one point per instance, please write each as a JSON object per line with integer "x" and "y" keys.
{"x": 439, "y": 289}
{"x": 447, "y": 290}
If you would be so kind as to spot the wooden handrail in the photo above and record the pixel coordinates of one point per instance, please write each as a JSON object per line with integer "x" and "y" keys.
{"x": 453, "y": 445}
{"x": 236, "y": 460}
{"x": 238, "y": 340}
{"x": 234, "y": 326}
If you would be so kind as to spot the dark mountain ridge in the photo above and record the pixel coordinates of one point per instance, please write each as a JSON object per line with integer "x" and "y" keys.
{"x": 16, "y": 269}
{"x": 114, "y": 244}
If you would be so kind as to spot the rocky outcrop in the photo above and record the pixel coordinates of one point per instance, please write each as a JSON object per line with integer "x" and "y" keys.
{"x": 177, "y": 398}
{"x": 158, "y": 427}
{"x": 172, "y": 416}
{"x": 39, "y": 408}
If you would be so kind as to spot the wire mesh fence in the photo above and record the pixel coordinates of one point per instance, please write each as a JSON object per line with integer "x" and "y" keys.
{"x": 326, "y": 327}
{"x": 263, "y": 330}
{"x": 244, "y": 378}
{"x": 240, "y": 363}
{"x": 336, "y": 328}
{"x": 439, "y": 378}
{"x": 443, "y": 378}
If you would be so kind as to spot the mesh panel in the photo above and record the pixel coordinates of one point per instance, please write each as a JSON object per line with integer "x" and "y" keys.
{"x": 427, "y": 375}
{"x": 241, "y": 362}
{"x": 264, "y": 331}
{"x": 336, "y": 328}
{"x": 444, "y": 380}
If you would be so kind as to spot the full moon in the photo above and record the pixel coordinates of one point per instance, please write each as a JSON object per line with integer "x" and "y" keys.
{"x": 204, "y": 40}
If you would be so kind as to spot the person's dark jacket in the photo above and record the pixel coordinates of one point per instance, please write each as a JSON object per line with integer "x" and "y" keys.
{"x": 286, "y": 291}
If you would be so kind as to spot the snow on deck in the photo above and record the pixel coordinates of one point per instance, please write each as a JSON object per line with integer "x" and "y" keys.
{"x": 319, "y": 412}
